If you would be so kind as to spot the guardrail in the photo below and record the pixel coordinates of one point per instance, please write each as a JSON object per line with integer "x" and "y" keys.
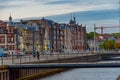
{"x": 18, "y": 59}
{"x": 28, "y": 58}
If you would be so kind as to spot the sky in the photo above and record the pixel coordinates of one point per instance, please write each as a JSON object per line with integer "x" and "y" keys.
{"x": 87, "y": 12}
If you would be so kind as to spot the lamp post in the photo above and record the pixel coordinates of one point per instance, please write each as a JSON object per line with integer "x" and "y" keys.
{"x": 94, "y": 39}
{"x": 33, "y": 39}
{"x": 16, "y": 41}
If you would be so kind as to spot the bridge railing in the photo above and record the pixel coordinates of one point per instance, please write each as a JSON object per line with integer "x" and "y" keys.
{"x": 28, "y": 58}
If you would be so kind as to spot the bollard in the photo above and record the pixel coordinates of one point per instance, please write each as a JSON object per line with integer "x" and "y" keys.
{"x": 29, "y": 57}
{"x": 2, "y": 60}
{"x": 12, "y": 59}
{"x": 20, "y": 59}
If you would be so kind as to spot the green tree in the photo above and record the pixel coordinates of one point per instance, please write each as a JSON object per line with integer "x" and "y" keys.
{"x": 90, "y": 35}
{"x": 116, "y": 34}
{"x": 108, "y": 44}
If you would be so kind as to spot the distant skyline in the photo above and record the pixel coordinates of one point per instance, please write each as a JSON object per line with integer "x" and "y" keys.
{"x": 89, "y": 12}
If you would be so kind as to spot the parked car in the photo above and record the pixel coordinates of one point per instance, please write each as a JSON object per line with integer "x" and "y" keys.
{"x": 4, "y": 55}
{"x": 21, "y": 53}
{"x": 1, "y": 54}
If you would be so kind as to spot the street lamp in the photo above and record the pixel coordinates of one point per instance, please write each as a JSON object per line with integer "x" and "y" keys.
{"x": 34, "y": 38}
{"x": 94, "y": 38}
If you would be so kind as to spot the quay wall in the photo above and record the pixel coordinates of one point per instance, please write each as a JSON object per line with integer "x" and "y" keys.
{"x": 30, "y": 74}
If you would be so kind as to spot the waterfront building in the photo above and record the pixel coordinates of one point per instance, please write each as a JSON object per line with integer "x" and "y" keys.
{"x": 8, "y": 36}
{"x": 78, "y": 36}
{"x": 27, "y": 37}
{"x": 57, "y": 37}
{"x": 3, "y": 35}
{"x": 40, "y": 38}
{"x": 45, "y": 36}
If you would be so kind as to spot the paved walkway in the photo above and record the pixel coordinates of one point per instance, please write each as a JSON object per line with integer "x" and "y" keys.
{"x": 12, "y": 60}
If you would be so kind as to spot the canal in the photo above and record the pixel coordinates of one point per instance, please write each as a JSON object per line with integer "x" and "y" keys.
{"x": 87, "y": 73}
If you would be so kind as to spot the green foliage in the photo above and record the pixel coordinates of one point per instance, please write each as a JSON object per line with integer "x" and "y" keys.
{"x": 108, "y": 44}
{"x": 116, "y": 34}
{"x": 90, "y": 35}
{"x": 101, "y": 45}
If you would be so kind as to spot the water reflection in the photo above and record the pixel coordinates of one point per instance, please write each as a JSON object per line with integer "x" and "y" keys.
{"x": 87, "y": 74}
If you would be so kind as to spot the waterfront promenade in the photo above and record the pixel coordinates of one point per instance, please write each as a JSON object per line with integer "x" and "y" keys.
{"x": 12, "y": 60}
{"x": 28, "y": 58}
{"x": 36, "y": 67}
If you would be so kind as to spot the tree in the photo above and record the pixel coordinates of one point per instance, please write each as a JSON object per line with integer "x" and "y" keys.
{"x": 90, "y": 35}
{"x": 116, "y": 34}
{"x": 108, "y": 44}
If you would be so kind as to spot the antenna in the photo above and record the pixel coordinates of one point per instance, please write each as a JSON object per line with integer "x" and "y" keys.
{"x": 10, "y": 13}
{"x": 71, "y": 15}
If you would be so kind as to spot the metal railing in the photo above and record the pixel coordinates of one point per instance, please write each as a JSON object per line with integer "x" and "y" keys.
{"x": 27, "y": 58}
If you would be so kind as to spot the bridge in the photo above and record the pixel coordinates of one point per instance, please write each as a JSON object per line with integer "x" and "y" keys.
{"x": 31, "y": 71}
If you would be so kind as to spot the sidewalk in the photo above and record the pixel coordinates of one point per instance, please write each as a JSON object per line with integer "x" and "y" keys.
{"x": 29, "y": 58}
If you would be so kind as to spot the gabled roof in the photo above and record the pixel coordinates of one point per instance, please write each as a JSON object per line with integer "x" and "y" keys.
{"x": 20, "y": 25}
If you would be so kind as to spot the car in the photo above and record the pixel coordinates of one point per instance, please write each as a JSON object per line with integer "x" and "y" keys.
{"x": 1, "y": 54}
{"x": 21, "y": 53}
{"x": 4, "y": 55}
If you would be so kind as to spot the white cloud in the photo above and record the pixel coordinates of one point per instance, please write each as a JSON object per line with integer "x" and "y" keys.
{"x": 34, "y": 8}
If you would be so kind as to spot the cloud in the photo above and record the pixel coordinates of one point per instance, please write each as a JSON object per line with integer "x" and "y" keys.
{"x": 53, "y": 7}
{"x": 4, "y": 4}
{"x": 81, "y": 2}
{"x": 9, "y": 4}
{"x": 2, "y": 7}
{"x": 57, "y": 2}
{"x": 86, "y": 16}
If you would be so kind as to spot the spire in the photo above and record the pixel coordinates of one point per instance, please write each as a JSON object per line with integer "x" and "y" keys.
{"x": 10, "y": 18}
{"x": 73, "y": 19}
{"x": 71, "y": 16}
{"x": 10, "y": 23}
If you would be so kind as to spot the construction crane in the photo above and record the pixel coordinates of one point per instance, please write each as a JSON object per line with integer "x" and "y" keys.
{"x": 104, "y": 27}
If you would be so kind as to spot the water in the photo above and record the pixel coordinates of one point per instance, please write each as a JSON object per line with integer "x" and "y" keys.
{"x": 88, "y": 73}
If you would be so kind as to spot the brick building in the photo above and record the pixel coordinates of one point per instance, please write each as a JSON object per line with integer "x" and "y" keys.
{"x": 43, "y": 35}
{"x": 7, "y": 36}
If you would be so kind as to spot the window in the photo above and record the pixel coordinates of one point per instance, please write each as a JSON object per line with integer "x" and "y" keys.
{"x": 10, "y": 39}
{"x": 2, "y": 39}
{"x": 11, "y": 47}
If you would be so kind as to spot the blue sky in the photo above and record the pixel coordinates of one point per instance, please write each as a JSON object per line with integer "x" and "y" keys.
{"x": 89, "y": 12}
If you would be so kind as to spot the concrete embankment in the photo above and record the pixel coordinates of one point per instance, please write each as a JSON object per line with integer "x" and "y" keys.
{"x": 44, "y": 73}
{"x": 31, "y": 74}
{"x": 118, "y": 78}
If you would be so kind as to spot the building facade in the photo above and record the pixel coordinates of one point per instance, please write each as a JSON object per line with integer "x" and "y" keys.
{"x": 45, "y": 36}
{"x": 8, "y": 36}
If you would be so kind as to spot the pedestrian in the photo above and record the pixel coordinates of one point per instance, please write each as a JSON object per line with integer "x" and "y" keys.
{"x": 17, "y": 53}
{"x": 38, "y": 55}
{"x": 33, "y": 53}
